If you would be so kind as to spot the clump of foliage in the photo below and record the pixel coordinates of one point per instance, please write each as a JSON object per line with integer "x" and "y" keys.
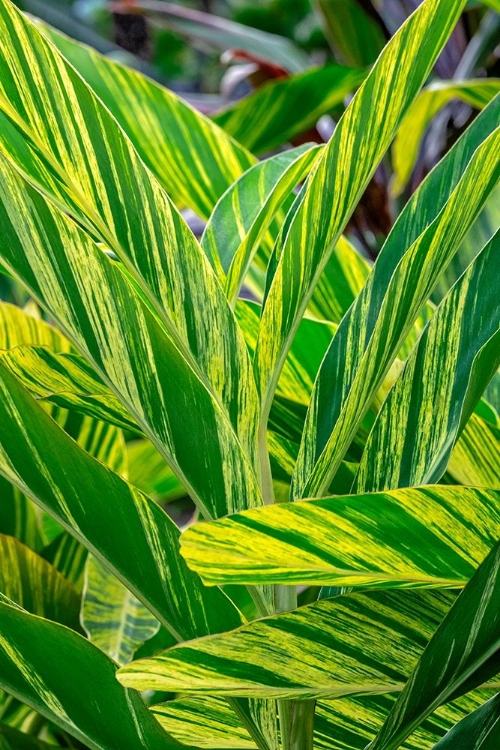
{"x": 338, "y": 436}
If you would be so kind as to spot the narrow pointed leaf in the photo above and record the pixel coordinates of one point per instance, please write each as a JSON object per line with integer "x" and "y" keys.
{"x": 70, "y": 276}
{"x": 349, "y": 644}
{"x": 429, "y": 536}
{"x": 281, "y": 109}
{"x": 421, "y": 418}
{"x": 129, "y": 533}
{"x": 476, "y": 93}
{"x": 63, "y": 676}
{"x": 196, "y": 162}
{"x": 74, "y": 150}
{"x": 341, "y": 176}
{"x": 480, "y": 730}
{"x": 341, "y": 394}
{"x": 462, "y": 654}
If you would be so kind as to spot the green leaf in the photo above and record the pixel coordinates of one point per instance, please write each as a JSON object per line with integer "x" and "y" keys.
{"x": 475, "y": 459}
{"x": 18, "y": 328}
{"x": 224, "y": 34}
{"x": 68, "y": 381}
{"x": 73, "y": 149}
{"x": 420, "y": 420}
{"x": 332, "y": 193}
{"x": 364, "y": 643}
{"x": 128, "y": 532}
{"x": 35, "y": 585}
{"x": 148, "y": 471}
{"x": 18, "y": 516}
{"x": 461, "y": 655}
{"x": 354, "y": 34}
{"x": 477, "y": 731}
{"x": 195, "y": 163}
{"x": 282, "y": 109}
{"x": 65, "y": 678}
{"x": 113, "y": 618}
{"x": 205, "y": 722}
{"x": 13, "y": 739}
{"x": 476, "y": 93}
{"x": 428, "y": 536}
{"x": 247, "y": 210}
{"x": 68, "y": 274}
{"x": 68, "y": 556}
{"x": 394, "y": 294}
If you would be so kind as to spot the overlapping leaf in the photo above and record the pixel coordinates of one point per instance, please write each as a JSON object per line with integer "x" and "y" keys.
{"x": 429, "y": 536}
{"x": 338, "y": 182}
{"x": 476, "y": 93}
{"x": 348, "y": 644}
{"x": 281, "y": 109}
{"x": 193, "y": 159}
{"x": 475, "y": 459}
{"x": 477, "y": 731}
{"x": 73, "y": 149}
{"x": 371, "y": 333}
{"x": 65, "y": 678}
{"x": 463, "y": 653}
{"x": 351, "y": 31}
{"x": 420, "y": 420}
{"x": 125, "y": 530}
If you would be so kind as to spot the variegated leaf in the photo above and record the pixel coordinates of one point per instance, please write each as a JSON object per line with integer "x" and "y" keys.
{"x": 333, "y": 192}
{"x": 394, "y": 294}
{"x": 476, "y": 93}
{"x": 429, "y": 536}
{"x": 445, "y": 374}
{"x": 351, "y": 644}
{"x": 462, "y": 654}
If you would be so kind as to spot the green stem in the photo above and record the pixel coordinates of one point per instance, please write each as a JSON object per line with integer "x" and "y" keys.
{"x": 297, "y": 724}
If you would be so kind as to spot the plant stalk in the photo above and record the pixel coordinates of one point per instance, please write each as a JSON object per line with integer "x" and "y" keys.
{"x": 297, "y": 724}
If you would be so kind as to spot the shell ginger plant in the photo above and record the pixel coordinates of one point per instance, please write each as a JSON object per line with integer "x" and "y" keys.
{"x": 339, "y": 437}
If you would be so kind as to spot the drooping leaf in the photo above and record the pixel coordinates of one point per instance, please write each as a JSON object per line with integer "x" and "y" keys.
{"x": 35, "y": 585}
{"x": 476, "y": 93}
{"x": 128, "y": 532}
{"x": 348, "y": 644}
{"x": 455, "y": 357}
{"x": 342, "y": 392}
{"x": 461, "y": 655}
{"x": 332, "y": 194}
{"x": 282, "y": 109}
{"x": 64, "y": 677}
{"x": 113, "y": 618}
{"x": 193, "y": 159}
{"x": 428, "y": 536}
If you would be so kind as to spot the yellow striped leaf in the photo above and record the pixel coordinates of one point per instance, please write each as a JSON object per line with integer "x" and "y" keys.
{"x": 428, "y": 536}
{"x": 281, "y": 109}
{"x": 35, "y": 585}
{"x": 128, "y": 532}
{"x": 98, "y": 309}
{"x": 18, "y": 328}
{"x": 64, "y": 677}
{"x": 113, "y": 618}
{"x": 75, "y": 151}
{"x": 476, "y": 93}
{"x": 475, "y": 459}
{"x": 333, "y": 191}
{"x": 462, "y": 654}
{"x": 394, "y": 294}
{"x": 477, "y": 731}
{"x": 433, "y": 397}
{"x": 193, "y": 159}
{"x": 351, "y": 644}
